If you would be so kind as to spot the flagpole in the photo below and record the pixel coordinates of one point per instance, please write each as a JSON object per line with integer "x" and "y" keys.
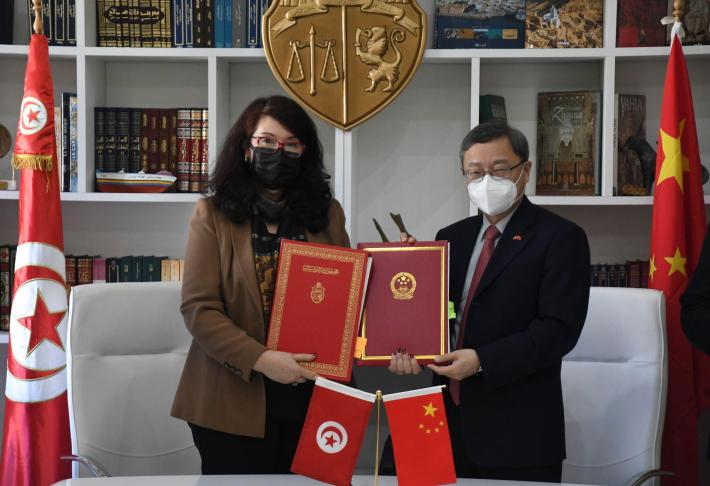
{"x": 38, "y": 25}
{"x": 378, "y": 399}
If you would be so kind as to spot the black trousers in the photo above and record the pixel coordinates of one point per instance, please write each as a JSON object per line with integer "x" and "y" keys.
{"x": 224, "y": 453}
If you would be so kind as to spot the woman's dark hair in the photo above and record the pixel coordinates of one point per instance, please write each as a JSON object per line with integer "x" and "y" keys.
{"x": 233, "y": 186}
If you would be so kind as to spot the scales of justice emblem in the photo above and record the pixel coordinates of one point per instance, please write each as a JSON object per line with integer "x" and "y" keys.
{"x": 344, "y": 59}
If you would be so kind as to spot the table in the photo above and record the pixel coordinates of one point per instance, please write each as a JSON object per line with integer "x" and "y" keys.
{"x": 265, "y": 480}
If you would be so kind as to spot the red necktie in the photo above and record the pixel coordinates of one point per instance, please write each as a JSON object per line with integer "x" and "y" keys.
{"x": 489, "y": 244}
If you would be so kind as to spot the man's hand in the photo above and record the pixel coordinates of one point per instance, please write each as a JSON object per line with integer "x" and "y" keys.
{"x": 284, "y": 368}
{"x": 404, "y": 364}
{"x": 407, "y": 238}
{"x": 460, "y": 364}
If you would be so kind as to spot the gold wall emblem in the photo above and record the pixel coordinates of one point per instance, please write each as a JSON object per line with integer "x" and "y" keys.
{"x": 344, "y": 59}
{"x": 317, "y": 293}
{"x": 403, "y": 285}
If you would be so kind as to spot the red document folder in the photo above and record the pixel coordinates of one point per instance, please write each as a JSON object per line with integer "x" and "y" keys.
{"x": 318, "y": 303}
{"x": 407, "y": 302}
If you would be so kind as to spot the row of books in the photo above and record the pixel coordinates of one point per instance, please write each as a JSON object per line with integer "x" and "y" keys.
{"x": 494, "y": 24}
{"x": 58, "y": 19}
{"x": 179, "y": 23}
{"x": 66, "y": 131}
{"x": 91, "y": 269}
{"x": 633, "y": 273}
{"x": 154, "y": 140}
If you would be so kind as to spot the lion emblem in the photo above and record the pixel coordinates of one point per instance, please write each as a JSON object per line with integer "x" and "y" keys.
{"x": 377, "y": 46}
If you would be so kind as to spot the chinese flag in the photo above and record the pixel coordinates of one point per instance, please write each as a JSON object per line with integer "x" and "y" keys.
{"x": 36, "y": 431}
{"x": 676, "y": 239}
{"x": 420, "y": 437}
{"x": 332, "y": 434}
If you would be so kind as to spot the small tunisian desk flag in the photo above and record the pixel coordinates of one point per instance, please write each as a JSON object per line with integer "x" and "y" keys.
{"x": 676, "y": 239}
{"x": 420, "y": 437}
{"x": 332, "y": 434}
{"x": 36, "y": 431}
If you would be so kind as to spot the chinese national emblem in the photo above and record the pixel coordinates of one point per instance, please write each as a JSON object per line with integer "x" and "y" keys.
{"x": 344, "y": 59}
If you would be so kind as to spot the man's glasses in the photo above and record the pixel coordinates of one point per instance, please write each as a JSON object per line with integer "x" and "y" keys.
{"x": 271, "y": 145}
{"x": 499, "y": 174}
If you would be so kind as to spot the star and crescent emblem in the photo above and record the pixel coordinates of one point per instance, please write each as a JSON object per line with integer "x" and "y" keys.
{"x": 33, "y": 115}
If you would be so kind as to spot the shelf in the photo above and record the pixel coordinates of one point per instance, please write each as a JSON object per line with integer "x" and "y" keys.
{"x": 170, "y": 197}
{"x": 597, "y": 200}
{"x": 148, "y": 53}
{"x": 54, "y": 51}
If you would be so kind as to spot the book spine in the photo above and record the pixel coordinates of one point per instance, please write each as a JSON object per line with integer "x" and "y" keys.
{"x": 163, "y": 140}
{"x": 196, "y": 146}
{"x": 147, "y": 269}
{"x": 184, "y": 151}
{"x": 208, "y": 32}
{"x": 134, "y": 142}
{"x": 102, "y": 38}
{"x": 7, "y": 16}
{"x": 98, "y": 269}
{"x": 71, "y": 22}
{"x": 198, "y": 22}
{"x": 178, "y": 23}
{"x": 73, "y": 143}
{"x": 189, "y": 23}
{"x": 110, "y": 132}
{"x": 126, "y": 269}
{"x": 252, "y": 23}
{"x": 124, "y": 22}
{"x": 239, "y": 24}
{"x": 65, "y": 141}
{"x": 99, "y": 139}
{"x": 145, "y": 141}
{"x": 137, "y": 263}
{"x": 165, "y": 19}
{"x": 113, "y": 270}
{"x": 227, "y": 23}
{"x": 60, "y": 22}
{"x": 172, "y": 141}
{"x": 153, "y": 140}
{"x": 174, "y": 270}
{"x": 204, "y": 153}
{"x": 165, "y": 270}
{"x": 47, "y": 20}
{"x": 218, "y": 23}
{"x": 70, "y": 267}
{"x": 123, "y": 117}
{"x": 58, "y": 144}
{"x": 146, "y": 27}
{"x": 4, "y": 288}
{"x": 263, "y": 7}
{"x": 85, "y": 270}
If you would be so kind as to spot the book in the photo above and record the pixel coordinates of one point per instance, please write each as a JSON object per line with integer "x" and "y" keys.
{"x": 239, "y": 23}
{"x": 568, "y": 139}
{"x": 184, "y": 149}
{"x": 228, "y": 21}
{"x": 65, "y": 140}
{"x": 73, "y": 143}
{"x": 4, "y": 288}
{"x": 60, "y": 22}
{"x": 99, "y": 270}
{"x": 70, "y": 267}
{"x": 491, "y": 107}
{"x": 99, "y": 139}
{"x": 113, "y": 270}
{"x": 163, "y": 140}
{"x": 630, "y": 129}
{"x": 696, "y": 22}
{"x": 123, "y": 131}
{"x": 7, "y": 8}
{"x": 196, "y": 150}
{"x": 107, "y": 31}
{"x": 317, "y": 304}
{"x": 172, "y": 141}
{"x": 126, "y": 271}
{"x": 406, "y": 306}
{"x": 84, "y": 269}
{"x": 570, "y": 23}
{"x": 178, "y": 23}
{"x": 487, "y": 24}
{"x": 638, "y": 23}
{"x": 110, "y": 134}
{"x": 134, "y": 140}
{"x": 204, "y": 157}
{"x": 71, "y": 22}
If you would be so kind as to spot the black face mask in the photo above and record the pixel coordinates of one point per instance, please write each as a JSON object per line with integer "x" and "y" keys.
{"x": 274, "y": 170}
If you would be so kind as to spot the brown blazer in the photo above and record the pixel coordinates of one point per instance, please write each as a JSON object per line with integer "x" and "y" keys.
{"x": 222, "y": 309}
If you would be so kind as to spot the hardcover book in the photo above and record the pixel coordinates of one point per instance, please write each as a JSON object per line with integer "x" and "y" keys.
{"x": 491, "y": 107}
{"x": 317, "y": 304}
{"x": 99, "y": 140}
{"x": 486, "y": 24}
{"x": 406, "y": 306}
{"x": 568, "y": 138}
{"x": 638, "y": 23}
{"x": 564, "y": 23}
{"x": 630, "y": 125}
{"x": 696, "y": 22}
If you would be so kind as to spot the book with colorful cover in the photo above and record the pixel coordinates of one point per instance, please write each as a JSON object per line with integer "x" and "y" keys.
{"x": 638, "y": 23}
{"x": 564, "y": 23}
{"x": 486, "y": 24}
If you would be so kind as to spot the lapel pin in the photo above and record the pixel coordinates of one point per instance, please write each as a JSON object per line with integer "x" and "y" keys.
{"x": 517, "y": 238}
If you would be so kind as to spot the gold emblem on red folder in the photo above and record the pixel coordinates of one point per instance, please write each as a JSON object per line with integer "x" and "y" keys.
{"x": 344, "y": 59}
{"x": 317, "y": 293}
{"x": 403, "y": 285}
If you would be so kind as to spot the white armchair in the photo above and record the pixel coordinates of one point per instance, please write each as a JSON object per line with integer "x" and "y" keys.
{"x": 614, "y": 387}
{"x": 126, "y": 349}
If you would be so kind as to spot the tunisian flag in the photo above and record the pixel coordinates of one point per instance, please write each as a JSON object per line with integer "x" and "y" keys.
{"x": 420, "y": 437}
{"x": 36, "y": 428}
{"x": 332, "y": 434}
{"x": 676, "y": 240}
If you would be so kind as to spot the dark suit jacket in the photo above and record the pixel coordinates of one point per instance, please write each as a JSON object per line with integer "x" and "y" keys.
{"x": 695, "y": 315}
{"x": 527, "y": 313}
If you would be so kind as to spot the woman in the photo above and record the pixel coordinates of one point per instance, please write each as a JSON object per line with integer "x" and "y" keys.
{"x": 246, "y": 404}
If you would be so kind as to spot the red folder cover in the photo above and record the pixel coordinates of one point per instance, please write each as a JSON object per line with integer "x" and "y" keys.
{"x": 318, "y": 303}
{"x": 407, "y": 302}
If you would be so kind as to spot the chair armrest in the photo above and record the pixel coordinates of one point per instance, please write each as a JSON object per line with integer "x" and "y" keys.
{"x": 654, "y": 473}
{"x": 90, "y": 464}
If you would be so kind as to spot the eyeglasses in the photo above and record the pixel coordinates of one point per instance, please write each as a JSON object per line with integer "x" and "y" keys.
{"x": 500, "y": 174}
{"x": 292, "y": 148}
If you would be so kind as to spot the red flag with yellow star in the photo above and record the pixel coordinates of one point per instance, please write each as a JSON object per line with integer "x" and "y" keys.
{"x": 36, "y": 430}
{"x": 676, "y": 239}
{"x": 420, "y": 437}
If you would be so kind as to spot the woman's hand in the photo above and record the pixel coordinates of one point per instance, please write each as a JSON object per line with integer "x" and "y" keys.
{"x": 407, "y": 238}
{"x": 403, "y": 363}
{"x": 284, "y": 368}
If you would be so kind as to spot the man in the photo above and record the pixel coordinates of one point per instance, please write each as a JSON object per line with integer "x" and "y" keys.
{"x": 695, "y": 302}
{"x": 529, "y": 270}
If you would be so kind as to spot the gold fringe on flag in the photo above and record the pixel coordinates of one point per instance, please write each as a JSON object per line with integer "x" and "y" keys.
{"x": 33, "y": 162}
